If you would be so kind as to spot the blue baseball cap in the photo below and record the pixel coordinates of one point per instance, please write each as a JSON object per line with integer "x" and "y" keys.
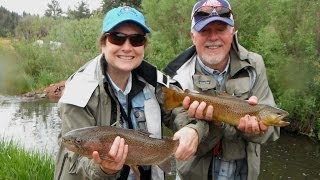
{"x": 122, "y": 14}
{"x": 199, "y": 22}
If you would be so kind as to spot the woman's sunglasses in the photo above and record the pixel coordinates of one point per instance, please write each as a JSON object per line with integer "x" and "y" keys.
{"x": 119, "y": 39}
{"x": 206, "y": 11}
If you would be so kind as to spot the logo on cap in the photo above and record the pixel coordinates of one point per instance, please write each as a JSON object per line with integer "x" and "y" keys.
{"x": 126, "y": 9}
{"x": 213, "y": 3}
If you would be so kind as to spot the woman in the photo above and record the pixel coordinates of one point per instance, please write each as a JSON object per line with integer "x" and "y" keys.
{"x": 117, "y": 88}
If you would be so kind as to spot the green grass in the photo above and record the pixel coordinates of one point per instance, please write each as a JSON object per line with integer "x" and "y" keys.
{"x": 20, "y": 164}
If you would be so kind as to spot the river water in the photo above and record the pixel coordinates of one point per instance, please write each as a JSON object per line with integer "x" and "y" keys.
{"x": 35, "y": 125}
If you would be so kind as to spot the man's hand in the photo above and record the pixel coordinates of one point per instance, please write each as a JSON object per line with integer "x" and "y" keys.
{"x": 117, "y": 154}
{"x": 250, "y": 124}
{"x": 196, "y": 110}
{"x": 253, "y": 100}
{"x": 188, "y": 143}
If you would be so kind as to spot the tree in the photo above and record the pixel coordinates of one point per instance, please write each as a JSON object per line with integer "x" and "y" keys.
{"x": 109, "y": 4}
{"x": 54, "y": 10}
{"x": 170, "y": 32}
{"x": 33, "y": 27}
{"x": 8, "y": 22}
{"x": 81, "y": 11}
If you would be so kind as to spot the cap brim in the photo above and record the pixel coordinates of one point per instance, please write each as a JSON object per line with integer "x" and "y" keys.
{"x": 202, "y": 23}
{"x": 145, "y": 28}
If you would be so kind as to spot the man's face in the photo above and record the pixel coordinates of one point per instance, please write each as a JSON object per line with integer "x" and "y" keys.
{"x": 213, "y": 44}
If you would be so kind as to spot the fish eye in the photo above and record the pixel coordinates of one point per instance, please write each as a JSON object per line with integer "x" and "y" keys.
{"x": 78, "y": 141}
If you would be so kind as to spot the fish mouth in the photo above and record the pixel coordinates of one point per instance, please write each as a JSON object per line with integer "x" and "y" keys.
{"x": 283, "y": 116}
{"x": 69, "y": 145}
{"x": 283, "y": 120}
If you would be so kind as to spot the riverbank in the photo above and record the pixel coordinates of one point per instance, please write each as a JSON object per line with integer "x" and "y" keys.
{"x": 53, "y": 92}
{"x": 19, "y": 163}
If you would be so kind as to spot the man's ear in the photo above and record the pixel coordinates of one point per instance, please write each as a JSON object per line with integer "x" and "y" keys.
{"x": 233, "y": 30}
{"x": 192, "y": 38}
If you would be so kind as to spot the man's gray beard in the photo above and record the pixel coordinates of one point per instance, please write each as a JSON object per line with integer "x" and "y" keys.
{"x": 212, "y": 60}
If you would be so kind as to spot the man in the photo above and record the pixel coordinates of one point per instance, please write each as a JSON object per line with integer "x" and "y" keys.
{"x": 216, "y": 62}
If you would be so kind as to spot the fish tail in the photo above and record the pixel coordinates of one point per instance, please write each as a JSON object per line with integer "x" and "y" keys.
{"x": 172, "y": 99}
{"x": 168, "y": 165}
{"x": 136, "y": 171}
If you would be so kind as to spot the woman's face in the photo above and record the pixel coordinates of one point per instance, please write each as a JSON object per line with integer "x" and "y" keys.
{"x": 122, "y": 59}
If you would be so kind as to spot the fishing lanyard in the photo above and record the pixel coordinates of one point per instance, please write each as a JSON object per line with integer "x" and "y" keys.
{"x": 114, "y": 99}
{"x": 124, "y": 115}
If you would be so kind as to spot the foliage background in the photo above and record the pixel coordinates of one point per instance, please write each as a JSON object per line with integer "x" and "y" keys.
{"x": 284, "y": 33}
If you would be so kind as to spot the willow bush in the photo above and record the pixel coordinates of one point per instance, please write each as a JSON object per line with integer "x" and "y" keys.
{"x": 170, "y": 25}
{"x": 39, "y": 65}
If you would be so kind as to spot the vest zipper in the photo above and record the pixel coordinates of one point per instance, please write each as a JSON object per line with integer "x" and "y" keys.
{"x": 64, "y": 160}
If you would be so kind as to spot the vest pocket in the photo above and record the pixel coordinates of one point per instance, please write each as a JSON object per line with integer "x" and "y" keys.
{"x": 238, "y": 87}
{"x": 139, "y": 118}
{"x": 204, "y": 82}
{"x": 233, "y": 149}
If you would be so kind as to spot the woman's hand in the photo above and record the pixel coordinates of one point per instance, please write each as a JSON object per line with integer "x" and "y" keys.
{"x": 117, "y": 157}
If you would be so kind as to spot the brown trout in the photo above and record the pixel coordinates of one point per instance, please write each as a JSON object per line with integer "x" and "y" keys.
{"x": 143, "y": 150}
{"x": 227, "y": 108}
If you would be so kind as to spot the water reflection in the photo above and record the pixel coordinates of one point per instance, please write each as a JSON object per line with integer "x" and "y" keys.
{"x": 35, "y": 124}
{"x": 291, "y": 157}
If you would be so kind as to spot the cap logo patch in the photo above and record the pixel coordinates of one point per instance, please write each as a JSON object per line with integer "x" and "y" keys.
{"x": 213, "y": 3}
{"x": 126, "y": 10}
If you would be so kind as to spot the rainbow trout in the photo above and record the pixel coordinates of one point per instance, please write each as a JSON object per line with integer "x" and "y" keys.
{"x": 227, "y": 108}
{"x": 143, "y": 150}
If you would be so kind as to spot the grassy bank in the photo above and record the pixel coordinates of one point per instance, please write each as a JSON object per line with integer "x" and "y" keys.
{"x": 18, "y": 163}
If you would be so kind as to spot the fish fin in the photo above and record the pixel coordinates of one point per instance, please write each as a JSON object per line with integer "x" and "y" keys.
{"x": 171, "y": 98}
{"x": 222, "y": 94}
{"x": 167, "y": 137}
{"x": 191, "y": 91}
{"x": 227, "y": 96}
{"x": 143, "y": 132}
{"x": 168, "y": 165}
{"x": 136, "y": 171}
